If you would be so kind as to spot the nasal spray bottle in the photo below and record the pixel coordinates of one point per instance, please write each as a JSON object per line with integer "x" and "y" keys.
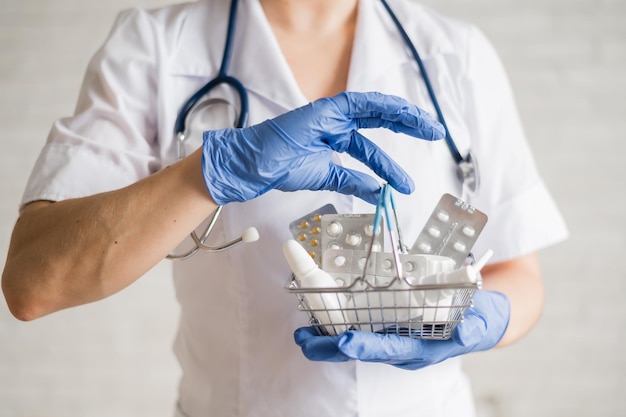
{"x": 325, "y": 306}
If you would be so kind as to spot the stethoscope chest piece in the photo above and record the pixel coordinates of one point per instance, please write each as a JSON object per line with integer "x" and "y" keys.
{"x": 467, "y": 172}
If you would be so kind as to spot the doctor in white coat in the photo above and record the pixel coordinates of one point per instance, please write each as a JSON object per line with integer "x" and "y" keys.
{"x": 107, "y": 199}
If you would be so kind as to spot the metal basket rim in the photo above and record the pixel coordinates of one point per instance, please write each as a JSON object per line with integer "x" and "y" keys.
{"x": 292, "y": 286}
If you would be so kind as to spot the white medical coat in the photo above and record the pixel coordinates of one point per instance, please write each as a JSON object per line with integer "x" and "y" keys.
{"x": 235, "y": 343}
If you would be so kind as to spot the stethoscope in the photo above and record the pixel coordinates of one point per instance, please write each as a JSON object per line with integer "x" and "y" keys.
{"x": 467, "y": 169}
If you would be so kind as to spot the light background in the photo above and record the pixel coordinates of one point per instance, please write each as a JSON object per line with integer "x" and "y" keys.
{"x": 566, "y": 61}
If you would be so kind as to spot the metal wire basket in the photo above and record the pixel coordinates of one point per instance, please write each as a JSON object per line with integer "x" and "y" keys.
{"x": 421, "y": 292}
{"x": 395, "y": 307}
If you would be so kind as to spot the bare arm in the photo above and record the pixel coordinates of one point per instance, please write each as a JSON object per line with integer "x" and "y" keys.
{"x": 77, "y": 251}
{"x": 520, "y": 279}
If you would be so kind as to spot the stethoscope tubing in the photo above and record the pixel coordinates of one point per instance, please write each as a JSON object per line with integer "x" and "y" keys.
{"x": 221, "y": 78}
{"x": 456, "y": 155}
{"x": 242, "y": 119}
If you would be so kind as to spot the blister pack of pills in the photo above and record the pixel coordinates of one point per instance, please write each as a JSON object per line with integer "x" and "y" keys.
{"x": 307, "y": 230}
{"x": 346, "y": 265}
{"x": 451, "y": 230}
{"x": 351, "y": 231}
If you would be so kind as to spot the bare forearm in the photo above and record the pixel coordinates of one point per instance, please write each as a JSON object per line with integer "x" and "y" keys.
{"x": 521, "y": 281}
{"x": 81, "y": 250}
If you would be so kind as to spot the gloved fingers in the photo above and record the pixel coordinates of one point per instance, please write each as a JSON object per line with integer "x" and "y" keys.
{"x": 318, "y": 173}
{"x": 471, "y": 330}
{"x": 364, "y": 150}
{"x": 374, "y": 110}
{"x": 489, "y": 316}
{"x": 485, "y": 322}
{"x": 304, "y": 334}
{"x": 315, "y": 173}
{"x": 318, "y": 348}
{"x": 374, "y": 347}
{"x": 417, "y": 127}
{"x": 350, "y": 182}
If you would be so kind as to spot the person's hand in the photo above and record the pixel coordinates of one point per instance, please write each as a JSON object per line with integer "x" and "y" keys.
{"x": 483, "y": 327}
{"x": 293, "y": 151}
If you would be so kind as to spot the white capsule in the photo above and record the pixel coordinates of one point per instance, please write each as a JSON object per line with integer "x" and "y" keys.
{"x": 434, "y": 232}
{"x": 459, "y": 246}
{"x": 443, "y": 216}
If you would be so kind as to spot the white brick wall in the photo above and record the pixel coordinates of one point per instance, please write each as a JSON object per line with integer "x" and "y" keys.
{"x": 565, "y": 59}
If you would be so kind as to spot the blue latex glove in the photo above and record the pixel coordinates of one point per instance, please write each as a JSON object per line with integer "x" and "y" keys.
{"x": 293, "y": 151}
{"x": 483, "y": 327}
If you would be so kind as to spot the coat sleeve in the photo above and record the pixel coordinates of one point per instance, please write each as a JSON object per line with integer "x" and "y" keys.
{"x": 111, "y": 140}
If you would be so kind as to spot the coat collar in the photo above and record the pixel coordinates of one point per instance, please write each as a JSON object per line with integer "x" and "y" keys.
{"x": 258, "y": 61}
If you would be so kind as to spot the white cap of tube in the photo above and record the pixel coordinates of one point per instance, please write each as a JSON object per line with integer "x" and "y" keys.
{"x": 469, "y": 273}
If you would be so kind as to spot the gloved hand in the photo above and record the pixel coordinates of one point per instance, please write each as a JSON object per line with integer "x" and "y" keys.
{"x": 483, "y": 327}
{"x": 293, "y": 151}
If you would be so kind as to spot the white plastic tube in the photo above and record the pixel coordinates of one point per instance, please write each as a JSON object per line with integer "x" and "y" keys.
{"x": 327, "y": 307}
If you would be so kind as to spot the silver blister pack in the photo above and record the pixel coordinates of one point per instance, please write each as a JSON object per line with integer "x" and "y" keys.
{"x": 307, "y": 230}
{"x": 451, "y": 230}
{"x": 351, "y": 231}
{"x": 347, "y": 265}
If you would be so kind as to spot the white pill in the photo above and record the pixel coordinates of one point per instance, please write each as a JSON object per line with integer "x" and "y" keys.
{"x": 459, "y": 246}
{"x": 424, "y": 247}
{"x": 334, "y": 245}
{"x": 375, "y": 247}
{"x": 443, "y": 216}
{"x": 353, "y": 239}
{"x": 369, "y": 229}
{"x": 340, "y": 261}
{"x": 334, "y": 229}
{"x": 469, "y": 231}
{"x": 387, "y": 264}
{"x": 434, "y": 232}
